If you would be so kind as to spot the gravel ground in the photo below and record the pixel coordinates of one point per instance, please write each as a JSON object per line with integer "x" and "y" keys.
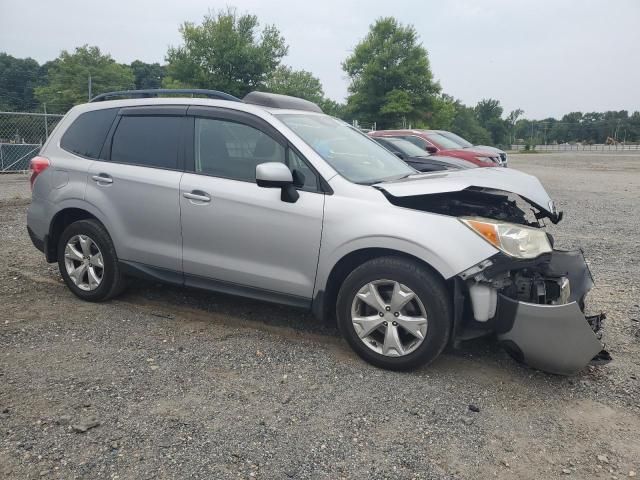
{"x": 171, "y": 383}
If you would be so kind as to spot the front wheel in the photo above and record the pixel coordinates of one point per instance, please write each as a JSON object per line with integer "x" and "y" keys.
{"x": 394, "y": 313}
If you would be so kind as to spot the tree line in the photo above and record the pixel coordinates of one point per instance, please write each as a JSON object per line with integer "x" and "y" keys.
{"x": 391, "y": 82}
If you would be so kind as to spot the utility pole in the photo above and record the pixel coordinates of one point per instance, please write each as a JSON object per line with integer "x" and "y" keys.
{"x": 90, "y": 87}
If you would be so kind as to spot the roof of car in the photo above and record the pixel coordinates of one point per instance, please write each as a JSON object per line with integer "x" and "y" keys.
{"x": 133, "y": 102}
{"x": 263, "y": 101}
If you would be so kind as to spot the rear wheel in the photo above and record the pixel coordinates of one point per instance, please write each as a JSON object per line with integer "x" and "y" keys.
{"x": 394, "y": 313}
{"x": 88, "y": 263}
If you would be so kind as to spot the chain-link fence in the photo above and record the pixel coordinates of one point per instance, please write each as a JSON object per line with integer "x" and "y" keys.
{"x": 596, "y": 147}
{"x": 21, "y": 136}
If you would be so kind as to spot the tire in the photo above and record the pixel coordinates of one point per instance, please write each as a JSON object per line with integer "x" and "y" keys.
{"x": 430, "y": 296}
{"x": 112, "y": 282}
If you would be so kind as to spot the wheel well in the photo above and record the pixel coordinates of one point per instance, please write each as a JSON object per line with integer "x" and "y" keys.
{"x": 60, "y": 221}
{"x": 340, "y": 271}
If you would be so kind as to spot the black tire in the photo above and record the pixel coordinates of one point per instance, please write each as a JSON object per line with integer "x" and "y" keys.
{"x": 431, "y": 291}
{"x": 113, "y": 282}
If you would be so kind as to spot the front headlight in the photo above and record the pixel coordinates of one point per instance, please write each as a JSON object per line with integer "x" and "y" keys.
{"x": 514, "y": 240}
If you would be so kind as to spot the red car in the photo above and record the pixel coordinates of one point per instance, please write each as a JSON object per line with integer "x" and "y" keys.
{"x": 435, "y": 143}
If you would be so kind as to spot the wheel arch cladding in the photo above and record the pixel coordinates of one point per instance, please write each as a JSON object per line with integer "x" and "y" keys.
{"x": 324, "y": 301}
{"x": 61, "y": 220}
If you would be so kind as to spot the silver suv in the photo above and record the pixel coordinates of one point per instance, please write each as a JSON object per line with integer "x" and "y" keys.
{"x": 269, "y": 198}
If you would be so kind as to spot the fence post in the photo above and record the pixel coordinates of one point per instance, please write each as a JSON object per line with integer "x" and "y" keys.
{"x": 46, "y": 125}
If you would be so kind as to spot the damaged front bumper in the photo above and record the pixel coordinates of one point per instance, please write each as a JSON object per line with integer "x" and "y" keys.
{"x": 554, "y": 338}
{"x": 543, "y": 324}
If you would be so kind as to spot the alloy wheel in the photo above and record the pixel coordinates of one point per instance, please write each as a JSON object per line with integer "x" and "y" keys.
{"x": 84, "y": 262}
{"x": 389, "y": 318}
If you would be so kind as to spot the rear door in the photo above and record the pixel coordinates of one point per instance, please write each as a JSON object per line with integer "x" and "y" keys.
{"x": 237, "y": 236}
{"x": 137, "y": 189}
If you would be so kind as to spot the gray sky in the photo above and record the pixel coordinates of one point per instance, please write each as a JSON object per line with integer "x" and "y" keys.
{"x": 548, "y": 57}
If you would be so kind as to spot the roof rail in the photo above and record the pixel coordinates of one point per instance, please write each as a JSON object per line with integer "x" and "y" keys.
{"x": 154, "y": 92}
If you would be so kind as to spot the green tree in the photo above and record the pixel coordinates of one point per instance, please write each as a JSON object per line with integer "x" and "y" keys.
{"x": 335, "y": 109}
{"x": 147, "y": 75}
{"x": 226, "y": 53}
{"x": 444, "y": 112}
{"x": 390, "y": 76}
{"x": 297, "y": 83}
{"x": 489, "y": 114}
{"x": 68, "y": 77}
{"x": 18, "y": 77}
{"x": 465, "y": 124}
{"x": 451, "y": 114}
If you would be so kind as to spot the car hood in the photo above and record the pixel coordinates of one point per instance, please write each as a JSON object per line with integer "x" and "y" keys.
{"x": 512, "y": 181}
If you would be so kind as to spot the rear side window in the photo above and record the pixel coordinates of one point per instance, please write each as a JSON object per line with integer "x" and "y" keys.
{"x": 147, "y": 140}
{"x": 87, "y": 133}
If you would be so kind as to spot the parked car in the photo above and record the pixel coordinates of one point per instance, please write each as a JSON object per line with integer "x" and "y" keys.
{"x": 492, "y": 151}
{"x": 436, "y": 144}
{"x": 269, "y": 198}
{"x": 420, "y": 159}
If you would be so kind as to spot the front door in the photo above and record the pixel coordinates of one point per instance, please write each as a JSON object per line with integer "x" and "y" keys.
{"x": 240, "y": 236}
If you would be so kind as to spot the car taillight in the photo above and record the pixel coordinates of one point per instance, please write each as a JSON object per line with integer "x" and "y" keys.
{"x": 37, "y": 166}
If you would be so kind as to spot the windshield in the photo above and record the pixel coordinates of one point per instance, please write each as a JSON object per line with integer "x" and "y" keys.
{"x": 350, "y": 152}
{"x": 443, "y": 141}
{"x": 457, "y": 138}
{"x": 405, "y": 147}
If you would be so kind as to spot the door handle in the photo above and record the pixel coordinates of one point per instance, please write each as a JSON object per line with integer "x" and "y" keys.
{"x": 197, "y": 195}
{"x": 102, "y": 178}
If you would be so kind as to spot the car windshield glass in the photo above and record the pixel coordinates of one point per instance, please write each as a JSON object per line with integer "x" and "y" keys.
{"x": 443, "y": 141}
{"x": 406, "y": 147}
{"x": 457, "y": 138}
{"x": 350, "y": 152}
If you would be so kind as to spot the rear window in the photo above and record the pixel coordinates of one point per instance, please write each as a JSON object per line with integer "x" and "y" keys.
{"x": 87, "y": 133}
{"x": 147, "y": 140}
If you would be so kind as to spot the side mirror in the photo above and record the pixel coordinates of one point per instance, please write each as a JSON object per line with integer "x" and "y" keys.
{"x": 277, "y": 175}
{"x": 273, "y": 175}
{"x": 431, "y": 149}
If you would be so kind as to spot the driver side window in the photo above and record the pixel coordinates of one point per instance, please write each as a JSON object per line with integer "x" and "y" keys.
{"x": 233, "y": 150}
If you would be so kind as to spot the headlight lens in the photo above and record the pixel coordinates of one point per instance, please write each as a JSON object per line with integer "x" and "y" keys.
{"x": 512, "y": 239}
